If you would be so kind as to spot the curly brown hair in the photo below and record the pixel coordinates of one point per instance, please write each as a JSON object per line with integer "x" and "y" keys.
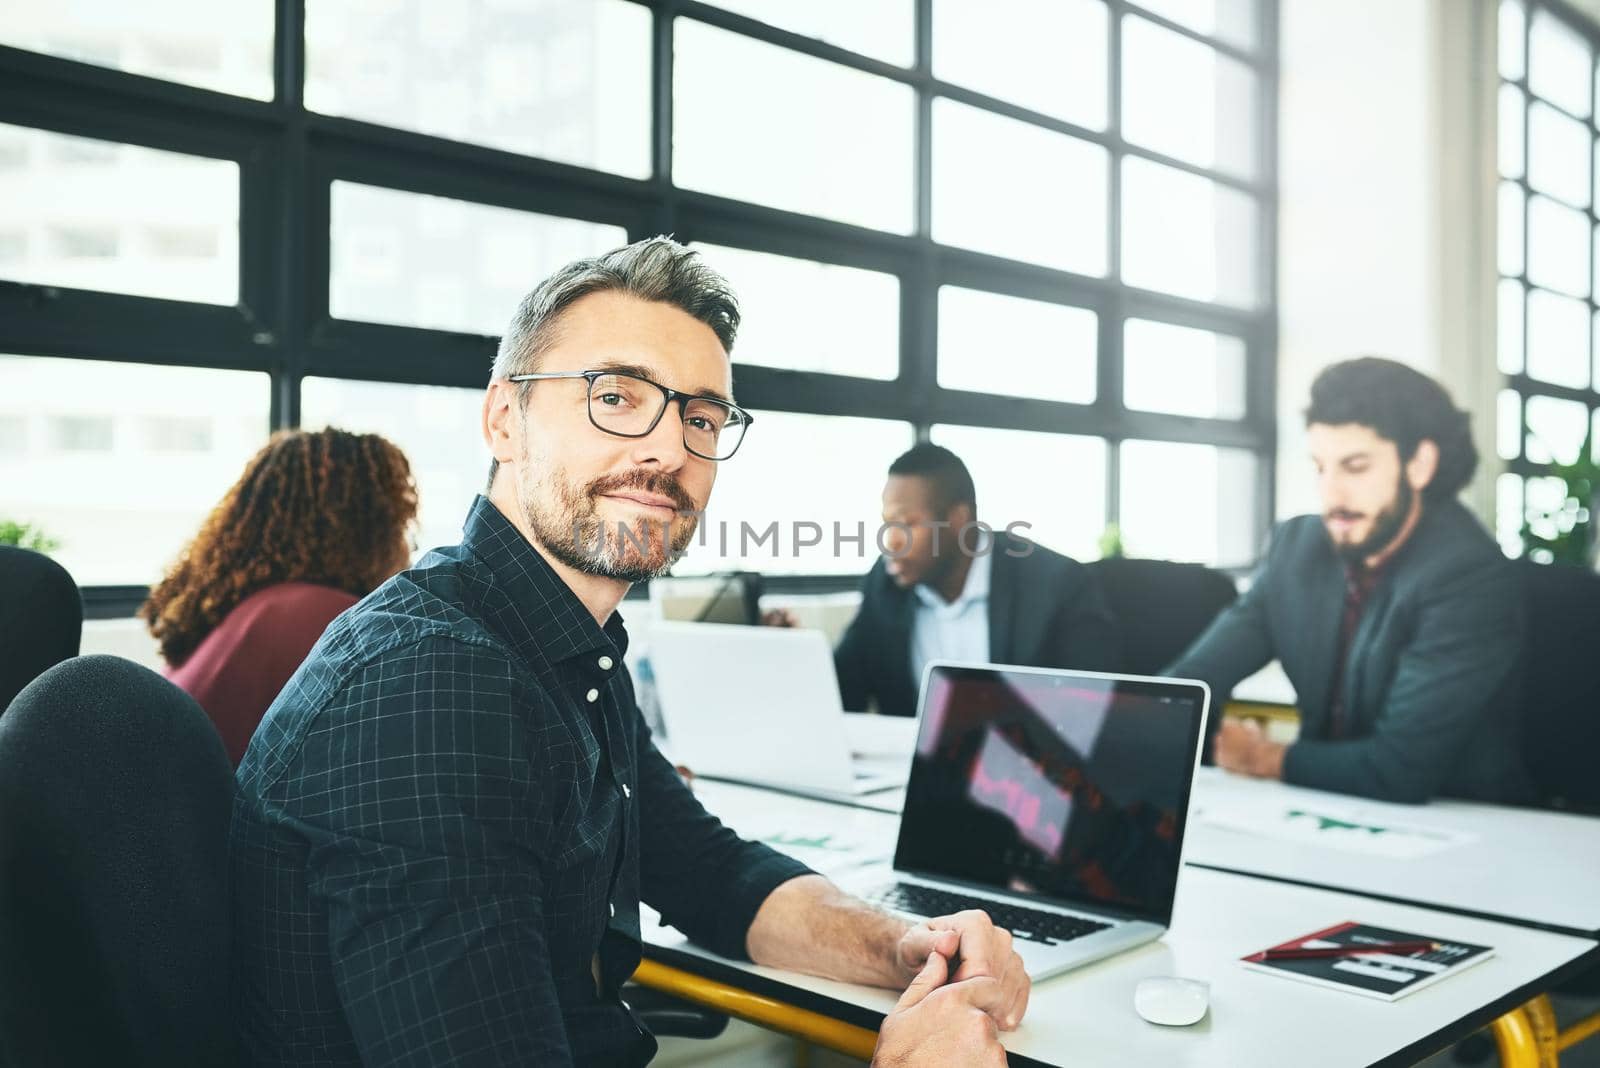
{"x": 323, "y": 506}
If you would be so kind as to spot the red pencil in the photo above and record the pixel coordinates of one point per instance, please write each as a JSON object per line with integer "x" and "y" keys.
{"x": 1399, "y": 949}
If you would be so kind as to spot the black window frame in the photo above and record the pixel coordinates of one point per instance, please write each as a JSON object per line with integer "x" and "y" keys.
{"x": 289, "y": 157}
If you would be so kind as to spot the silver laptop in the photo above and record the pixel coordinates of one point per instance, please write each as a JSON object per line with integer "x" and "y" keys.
{"x": 760, "y": 705}
{"x": 1053, "y": 800}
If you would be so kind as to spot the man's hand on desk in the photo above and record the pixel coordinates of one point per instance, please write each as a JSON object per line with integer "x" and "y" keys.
{"x": 939, "y": 1022}
{"x": 1241, "y": 747}
{"x": 984, "y": 951}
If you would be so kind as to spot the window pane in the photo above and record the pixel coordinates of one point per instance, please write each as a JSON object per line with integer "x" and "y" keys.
{"x": 568, "y": 80}
{"x": 437, "y": 427}
{"x": 1048, "y": 55}
{"x": 1233, "y": 21}
{"x": 416, "y": 260}
{"x": 1187, "y": 502}
{"x": 1510, "y": 215}
{"x": 1513, "y": 38}
{"x": 786, "y": 487}
{"x": 226, "y": 47}
{"x": 1559, "y": 151}
{"x": 1559, "y": 247}
{"x": 992, "y": 343}
{"x": 1508, "y": 513}
{"x": 120, "y": 462}
{"x": 1181, "y": 370}
{"x": 1558, "y": 339}
{"x": 1179, "y": 97}
{"x": 1513, "y": 113}
{"x": 1509, "y": 346}
{"x": 883, "y": 29}
{"x": 1545, "y": 502}
{"x": 119, "y": 218}
{"x": 1010, "y": 189}
{"x": 1508, "y": 424}
{"x": 1556, "y": 430}
{"x": 1559, "y": 64}
{"x": 1063, "y": 499}
{"x": 809, "y": 316}
{"x": 1186, "y": 235}
{"x": 789, "y": 141}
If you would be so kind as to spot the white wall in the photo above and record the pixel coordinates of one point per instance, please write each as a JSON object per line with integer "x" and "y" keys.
{"x": 1386, "y": 172}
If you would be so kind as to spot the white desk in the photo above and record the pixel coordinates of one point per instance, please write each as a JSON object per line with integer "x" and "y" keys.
{"x": 1521, "y": 865}
{"x": 1085, "y": 1018}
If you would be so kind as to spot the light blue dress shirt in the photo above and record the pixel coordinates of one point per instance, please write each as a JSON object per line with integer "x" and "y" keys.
{"x": 957, "y": 630}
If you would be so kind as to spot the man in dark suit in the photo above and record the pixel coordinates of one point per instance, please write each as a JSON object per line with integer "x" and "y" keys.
{"x": 948, "y": 588}
{"x": 1393, "y": 613}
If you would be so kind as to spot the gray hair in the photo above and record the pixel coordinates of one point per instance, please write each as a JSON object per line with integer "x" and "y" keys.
{"x": 655, "y": 269}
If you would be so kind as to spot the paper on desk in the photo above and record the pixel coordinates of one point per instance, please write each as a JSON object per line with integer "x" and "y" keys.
{"x": 828, "y": 852}
{"x": 1333, "y": 827}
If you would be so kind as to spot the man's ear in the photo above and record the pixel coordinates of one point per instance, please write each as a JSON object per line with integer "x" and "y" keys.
{"x": 1423, "y": 465}
{"x": 501, "y": 425}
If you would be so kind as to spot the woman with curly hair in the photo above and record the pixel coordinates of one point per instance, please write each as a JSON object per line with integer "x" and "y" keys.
{"x": 316, "y": 522}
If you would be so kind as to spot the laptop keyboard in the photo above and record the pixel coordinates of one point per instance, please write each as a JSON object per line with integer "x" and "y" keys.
{"x": 1034, "y": 925}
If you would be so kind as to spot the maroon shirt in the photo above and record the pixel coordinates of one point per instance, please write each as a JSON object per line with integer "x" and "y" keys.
{"x": 237, "y": 670}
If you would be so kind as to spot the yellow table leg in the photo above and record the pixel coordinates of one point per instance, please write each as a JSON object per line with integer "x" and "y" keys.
{"x": 1585, "y": 1028}
{"x": 1513, "y": 1034}
{"x": 853, "y": 1041}
{"x": 1528, "y": 1037}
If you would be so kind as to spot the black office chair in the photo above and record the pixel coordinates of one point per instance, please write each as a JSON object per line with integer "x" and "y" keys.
{"x": 41, "y": 618}
{"x": 115, "y": 796}
{"x": 1561, "y": 689}
{"x": 1161, "y": 607}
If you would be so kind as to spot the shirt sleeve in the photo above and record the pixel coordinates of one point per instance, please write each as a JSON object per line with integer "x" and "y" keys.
{"x": 426, "y": 839}
{"x": 1468, "y": 642}
{"x": 701, "y": 877}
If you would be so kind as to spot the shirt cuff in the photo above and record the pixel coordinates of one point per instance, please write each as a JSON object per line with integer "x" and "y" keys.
{"x": 759, "y": 871}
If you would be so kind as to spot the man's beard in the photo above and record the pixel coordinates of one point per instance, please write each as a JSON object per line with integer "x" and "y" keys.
{"x": 1385, "y": 528}
{"x": 567, "y": 523}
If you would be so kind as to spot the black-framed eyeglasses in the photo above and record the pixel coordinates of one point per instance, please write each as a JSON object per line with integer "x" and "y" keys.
{"x": 630, "y": 406}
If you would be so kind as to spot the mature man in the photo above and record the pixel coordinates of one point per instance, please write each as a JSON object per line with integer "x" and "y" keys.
{"x": 447, "y": 821}
{"x": 1394, "y": 613}
{"x": 946, "y": 588}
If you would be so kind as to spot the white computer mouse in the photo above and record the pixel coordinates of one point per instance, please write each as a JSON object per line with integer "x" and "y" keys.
{"x": 1170, "y": 1001}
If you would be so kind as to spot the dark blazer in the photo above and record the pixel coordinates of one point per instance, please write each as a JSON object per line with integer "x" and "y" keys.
{"x": 1045, "y": 610}
{"x": 1431, "y": 682}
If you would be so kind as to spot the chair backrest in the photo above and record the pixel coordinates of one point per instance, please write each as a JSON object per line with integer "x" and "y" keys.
{"x": 41, "y": 618}
{"x": 1161, "y": 607}
{"x": 1561, "y": 684}
{"x": 115, "y": 797}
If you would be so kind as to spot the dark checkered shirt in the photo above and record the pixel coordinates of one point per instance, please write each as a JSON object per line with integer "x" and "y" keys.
{"x": 452, "y": 810}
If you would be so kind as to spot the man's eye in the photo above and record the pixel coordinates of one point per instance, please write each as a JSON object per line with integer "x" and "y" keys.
{"x": 612, "y": 399}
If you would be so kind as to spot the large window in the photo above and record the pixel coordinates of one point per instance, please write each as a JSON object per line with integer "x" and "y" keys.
{"x": 1038, "y": 231}
{"x": 1548, "y": 413}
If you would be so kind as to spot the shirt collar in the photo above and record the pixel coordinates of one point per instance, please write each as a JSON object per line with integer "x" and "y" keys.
{"x": 975, "y": 589}
{"x": 534, "y": 608}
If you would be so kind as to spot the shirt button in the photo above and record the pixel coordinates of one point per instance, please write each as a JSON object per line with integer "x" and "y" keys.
{"x": 613, "y": 911}
{"x": 592, "y": 696}
{"x": 625, "y": 791}
{"x": 606, "y": 663}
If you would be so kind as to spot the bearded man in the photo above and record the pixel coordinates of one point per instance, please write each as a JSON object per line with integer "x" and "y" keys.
{"x": 446, "y": 823}
{"x": 1393, "y": 613}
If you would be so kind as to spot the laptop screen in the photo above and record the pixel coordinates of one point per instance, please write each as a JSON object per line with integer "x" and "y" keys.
{"x": 1066, "y": 786}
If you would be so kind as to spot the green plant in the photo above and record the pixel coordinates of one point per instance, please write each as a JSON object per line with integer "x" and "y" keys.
{"x": 26, "y": 536}
{"x": 1111, "y": 541}
{"x": 1567, "y": 532}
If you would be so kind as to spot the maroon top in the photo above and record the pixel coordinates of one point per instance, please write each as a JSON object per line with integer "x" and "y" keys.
{"x": 237, "y": 670}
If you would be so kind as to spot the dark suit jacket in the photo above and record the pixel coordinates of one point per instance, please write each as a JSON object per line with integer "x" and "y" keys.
{"x": 1431, "y": 682}
{"x": 1045, "y": 610}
